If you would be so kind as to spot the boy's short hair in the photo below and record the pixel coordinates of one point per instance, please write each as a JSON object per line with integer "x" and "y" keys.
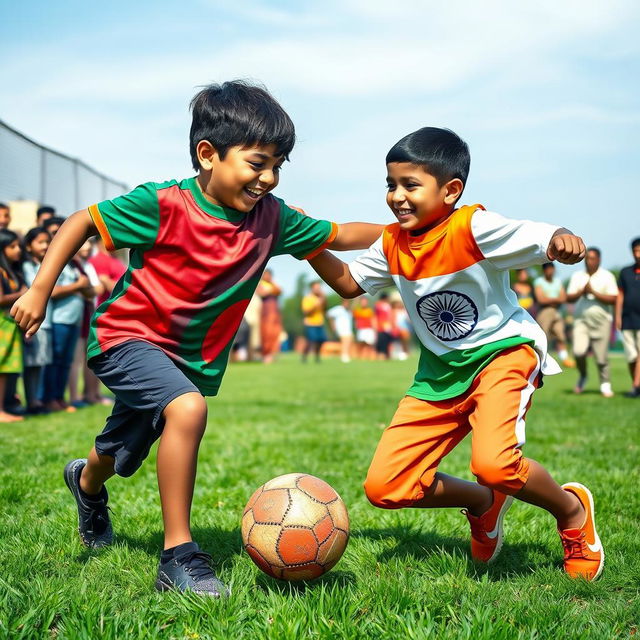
{"x": 546, "y": 265}
{"x": 45, "y": 209}
{"x": 53, "y": 221}
{"x": 441, "y": 152}
{"x": 238, "y": 113}
{"x": 595, "y": 250}
{"x": 3, "y": 205}
{"x": 634, "y": 243}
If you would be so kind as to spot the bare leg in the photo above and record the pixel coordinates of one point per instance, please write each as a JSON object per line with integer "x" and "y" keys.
{"x": 636, "y": 373}
{"x": 448, "y": 491}
{"x": 185, "y": 422}
{"x": 4, "y": 416}
{"x": 543, "y": 491}
{"x": 96, "y": 472}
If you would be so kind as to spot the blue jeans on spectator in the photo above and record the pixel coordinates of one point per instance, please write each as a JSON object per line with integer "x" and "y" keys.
{"x": 56, "y": 374}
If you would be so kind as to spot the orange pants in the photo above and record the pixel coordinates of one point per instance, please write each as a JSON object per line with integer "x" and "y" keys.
{"x": 422, "y": 432}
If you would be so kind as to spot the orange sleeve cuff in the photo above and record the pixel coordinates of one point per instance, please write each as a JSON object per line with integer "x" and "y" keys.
{"x": 96, "y": 216}
{"x": 325, "y": 244}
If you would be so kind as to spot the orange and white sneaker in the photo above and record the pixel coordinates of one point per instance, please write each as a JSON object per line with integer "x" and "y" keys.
{"x": 486, "y": 530}
{"x": 583, "y": 552}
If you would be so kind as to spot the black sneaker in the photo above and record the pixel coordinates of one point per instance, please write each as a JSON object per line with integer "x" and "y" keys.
{"x": 94, "y": 524}
{"x": 190, "y": 570}
{"x": 634, "y": 393}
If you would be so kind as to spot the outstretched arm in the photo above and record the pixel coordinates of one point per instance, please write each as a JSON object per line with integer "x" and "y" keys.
{"x": 30, "y": 309}
{"x": 356, "y": 235}
{"x": 336, "y": 274}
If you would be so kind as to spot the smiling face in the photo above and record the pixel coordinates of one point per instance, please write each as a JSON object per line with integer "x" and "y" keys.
{"x": 13, "y": 251}
{"x": 415, "y": 197}
{"x": 39, "y": 245}
{"x": 242, "y": 178}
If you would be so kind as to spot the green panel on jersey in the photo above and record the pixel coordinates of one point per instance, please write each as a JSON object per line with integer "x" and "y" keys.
{"x": 450, "y": 375}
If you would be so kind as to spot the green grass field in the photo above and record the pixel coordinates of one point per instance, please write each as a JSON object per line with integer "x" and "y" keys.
{"x": 405, "y": 574}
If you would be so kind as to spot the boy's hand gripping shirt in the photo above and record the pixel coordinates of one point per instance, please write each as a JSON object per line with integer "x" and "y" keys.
{"x": 454, "y": 282}
{"x": 193, "y": 267}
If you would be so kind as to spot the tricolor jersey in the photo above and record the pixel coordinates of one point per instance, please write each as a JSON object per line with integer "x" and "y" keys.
{"x": 193, "y": 267}
{"x": 454, "y": 282}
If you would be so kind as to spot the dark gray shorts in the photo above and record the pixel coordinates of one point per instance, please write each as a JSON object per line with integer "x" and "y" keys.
{"x": 144, "y": 381}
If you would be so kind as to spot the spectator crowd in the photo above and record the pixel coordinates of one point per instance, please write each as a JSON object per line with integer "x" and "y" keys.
{"x": 53, "y": 361}
{"x": 587, "y": 314}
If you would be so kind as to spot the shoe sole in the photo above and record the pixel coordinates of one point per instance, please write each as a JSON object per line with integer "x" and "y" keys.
{"x": 577, "y": 485}
{"x": 163, "y": 587}
{"x": 505, "y": 507}
{"x": 69, "y": 480}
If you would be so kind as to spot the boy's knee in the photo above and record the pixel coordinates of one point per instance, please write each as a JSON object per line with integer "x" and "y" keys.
{"x": 189, "y": 408}
{"x": 384, "y": 496}
{"x": 505, "y": 475}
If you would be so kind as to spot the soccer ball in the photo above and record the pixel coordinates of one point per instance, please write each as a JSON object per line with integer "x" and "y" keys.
{"x": 295, "y": 527}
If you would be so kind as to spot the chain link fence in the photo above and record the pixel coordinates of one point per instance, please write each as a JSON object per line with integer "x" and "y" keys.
{"x": 31, "y": 171}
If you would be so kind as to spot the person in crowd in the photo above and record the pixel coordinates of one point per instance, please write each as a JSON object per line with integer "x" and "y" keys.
{"x": 11, "y": 288}
{"x": 91, "y": 394}
{"x": 594, "y": 291}
{"x": 550, "y": 296}
{"x": 628, "y": 316}
{"x": 67, "y": 309}
{"x": 5, "y": 216}
{"x": 341, "y": 323}
{"x": 43, "y": 214}
{"x": 52, "y": 225}
{"x": 402, "y": 330}
{"x": 384, "y": 326}
{"x": 37, "y": 348}
{"x": 240, "y": 346}
{"x": 524, "y": 291}
{"x": 270, "y": 317}
{"x": 252, "y": 316}
{"x": 363, "y": 318}
{"x": 313, "y": 311}
{"x": 108, "y": 268}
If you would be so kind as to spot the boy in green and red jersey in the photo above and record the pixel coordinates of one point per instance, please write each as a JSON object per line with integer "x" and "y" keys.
{"x": 161, "y": 341}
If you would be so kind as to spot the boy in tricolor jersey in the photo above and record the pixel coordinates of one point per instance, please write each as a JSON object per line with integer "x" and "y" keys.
{"x": 198, "y": 248}
{"x": 482, "y": 355}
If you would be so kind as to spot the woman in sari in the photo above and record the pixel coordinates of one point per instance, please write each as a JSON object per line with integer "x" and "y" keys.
{"x": 270, "y": 320}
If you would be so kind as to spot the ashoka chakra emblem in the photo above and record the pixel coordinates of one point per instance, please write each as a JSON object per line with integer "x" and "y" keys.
{"x": 448, "y": 315}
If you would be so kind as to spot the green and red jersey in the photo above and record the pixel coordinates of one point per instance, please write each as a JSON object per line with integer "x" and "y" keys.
{"x": 193, "y": 267}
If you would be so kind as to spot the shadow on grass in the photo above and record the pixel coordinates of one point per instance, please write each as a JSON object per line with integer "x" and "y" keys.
{"x": 220, "y": 543}
{"x": 584, "y": 392}
{"x": 514, "y": 559}
{"x": 337, "y": 579}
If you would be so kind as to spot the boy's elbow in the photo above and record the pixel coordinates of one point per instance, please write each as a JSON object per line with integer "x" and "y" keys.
{"x": 349, "y": 291}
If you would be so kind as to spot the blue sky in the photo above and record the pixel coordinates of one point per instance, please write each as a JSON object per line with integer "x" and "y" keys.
{"x": 545, "y": 93}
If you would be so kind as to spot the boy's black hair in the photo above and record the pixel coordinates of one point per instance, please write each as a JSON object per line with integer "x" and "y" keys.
{"x": 45, "y": 209}
{"x": 11, "y": 279}
{"x": 239, "y": 113}
{"x": 3, "y": 205}
{"x": 595, "y": 250}
{"x": 52, "y": 221}
{"x": 441, "y": 152}
{"x": 634, "y": 243}
{"x": 548, "y": 264}
{"x": 31, "y": 235}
